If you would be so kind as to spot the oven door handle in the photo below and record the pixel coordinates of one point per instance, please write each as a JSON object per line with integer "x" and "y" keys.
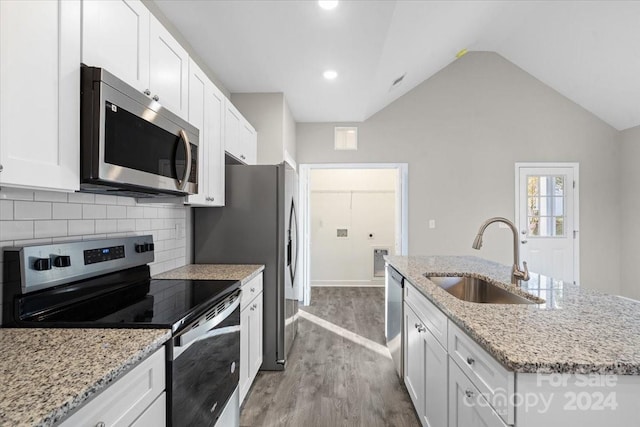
{"x": 204, "y": 327}
{"x": 187, "y": 171}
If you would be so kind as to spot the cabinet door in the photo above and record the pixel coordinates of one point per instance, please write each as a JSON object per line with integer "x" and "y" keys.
{"x": 255, "y": 338}
{"x": 414, "y": 359}
{"x": 467, "y": 408}
{"x": 40, "y": 102}
{"x": 115, "y": 36}
{"x": 168, "y": 69}
{"x": 436, "y": 362}
{"x": 215, "y": 169}
{"x": 245, "y": 379}
{"x": 249, "y": 142}
{"x": 198, "y": 83}
{"x": 155, "y": 415}
{"x": 232, "y": 120}
{"x": 127, "y": 399}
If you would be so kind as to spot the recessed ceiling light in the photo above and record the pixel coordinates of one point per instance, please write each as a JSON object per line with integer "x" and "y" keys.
{"x": 328, "y": 4}
{"x": 330, "y": 74}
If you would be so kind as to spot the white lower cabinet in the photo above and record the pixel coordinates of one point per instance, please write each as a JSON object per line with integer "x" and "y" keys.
{"x": 425, "y": 370}
{"x": 137, "y": 399}
{"x": 467, "y": 407}
{"x": 251, "y": 349}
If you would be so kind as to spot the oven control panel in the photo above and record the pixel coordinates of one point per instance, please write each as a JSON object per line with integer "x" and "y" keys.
{"x": 92, "y": 256}
{"x": 44, "y": 266}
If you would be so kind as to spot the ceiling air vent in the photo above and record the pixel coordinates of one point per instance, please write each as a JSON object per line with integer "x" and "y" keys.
{"x": 346, "y": 138}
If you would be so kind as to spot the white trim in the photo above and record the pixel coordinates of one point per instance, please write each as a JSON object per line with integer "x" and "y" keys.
{"x": 348, "y": 283}
{"x": 576, "y": 203}
{"x": 402, "y": 206}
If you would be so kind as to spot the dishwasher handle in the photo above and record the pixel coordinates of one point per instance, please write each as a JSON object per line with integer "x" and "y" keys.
{"x": 396, "y": 276}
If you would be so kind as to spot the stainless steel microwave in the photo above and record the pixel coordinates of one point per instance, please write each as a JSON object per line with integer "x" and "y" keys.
{"x": 129, "y": 144}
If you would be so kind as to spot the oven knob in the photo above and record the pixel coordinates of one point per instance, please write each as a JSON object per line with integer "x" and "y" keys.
{"x": 62, "y": 261}
{"x": 148, "y": 247}
{"x": 42, "y": 264}
{"x": 140, "y": 248}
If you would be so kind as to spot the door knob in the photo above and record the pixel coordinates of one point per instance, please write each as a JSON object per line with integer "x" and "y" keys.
{"x": 147, "y": 92}
{"x": 156, "y": 98}
{"x": 523, "y": 241}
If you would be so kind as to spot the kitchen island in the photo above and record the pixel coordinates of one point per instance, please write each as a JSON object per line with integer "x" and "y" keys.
{"x": 578, "y": 347}
{"x": 47, "y": 373}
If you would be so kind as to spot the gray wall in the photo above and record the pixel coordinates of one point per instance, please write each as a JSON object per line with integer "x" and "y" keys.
{"x": 269, "y": 114}
{"x": 630, "y": 207}
{"x": 461, "y": 132}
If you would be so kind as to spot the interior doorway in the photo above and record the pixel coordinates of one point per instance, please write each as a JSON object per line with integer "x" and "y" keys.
{"x": 547, "y": 216}
{"x": 351, "y": 215}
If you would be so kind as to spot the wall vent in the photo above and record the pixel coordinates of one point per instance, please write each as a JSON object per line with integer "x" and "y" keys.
{"x": 378, "y": 262}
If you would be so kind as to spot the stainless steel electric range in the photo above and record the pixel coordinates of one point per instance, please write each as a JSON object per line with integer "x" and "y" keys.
{"x": 107, "y": 284}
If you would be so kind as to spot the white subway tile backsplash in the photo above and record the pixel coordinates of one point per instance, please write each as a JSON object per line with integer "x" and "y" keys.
{"x": 6, "y": 210}
{"x": 15, "y": 194}
{"x": 31, "y": 210}
{"x": 150, "y": 212}
{"x": 53, "y": 228}
{"x": 50, "y": 196}
{"x": 31, "y": 242}
{"x": 81, "y": 198}
{"x": 94, "y": 237}
{"x": 67, "y": 211}
{"x": 106, "y": 226}
{"x": 102, "y": 199}
{"x": 134, "y": 212}
{"x": 14, "y": 230}
{"x": 157, "y": 224}
{"x": 126, "y": 201}
{"x": 115, "y": 212}
{"x": 79, "y": 227}
{"x": 143, "y": 224}
{"x": 126, "y": 225}
{"x": 40, "y": 217}
{"x": 94, "y": 211}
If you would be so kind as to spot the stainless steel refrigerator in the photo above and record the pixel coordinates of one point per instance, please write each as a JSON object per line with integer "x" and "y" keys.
{"x": 258, "y": 225}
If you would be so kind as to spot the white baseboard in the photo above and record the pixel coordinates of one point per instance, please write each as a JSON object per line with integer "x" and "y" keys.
{"x": 347, "y": 283}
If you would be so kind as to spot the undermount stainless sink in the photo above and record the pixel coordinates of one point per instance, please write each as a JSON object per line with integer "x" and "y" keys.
{"x": 477, "y": 290}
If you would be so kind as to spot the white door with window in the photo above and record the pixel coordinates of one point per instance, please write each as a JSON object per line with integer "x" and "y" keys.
{"x": 547, "y": 217}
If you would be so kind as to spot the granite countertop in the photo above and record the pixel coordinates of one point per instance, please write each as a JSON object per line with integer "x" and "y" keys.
{"x": 45, "y": 373}
{"x": 242, "y": 272}
{"x": 575, "y": 330}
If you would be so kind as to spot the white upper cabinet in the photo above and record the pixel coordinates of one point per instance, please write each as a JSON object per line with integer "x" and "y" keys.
{"x": 240, "y": 138}
{"x": 115, "y": 36}
{"x": 205, "y": 112}
{"x": 40, "y": 87}
{"x": 123, "y": 37}
{"x": 168, "y": 70}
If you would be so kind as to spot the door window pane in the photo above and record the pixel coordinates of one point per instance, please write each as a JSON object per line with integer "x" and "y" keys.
{"x": 545, "y": 205}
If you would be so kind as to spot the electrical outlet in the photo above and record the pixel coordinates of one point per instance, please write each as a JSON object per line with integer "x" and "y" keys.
{"x": 432, "y": 223}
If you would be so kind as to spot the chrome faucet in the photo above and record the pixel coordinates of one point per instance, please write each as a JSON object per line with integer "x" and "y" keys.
{"x": 516, "y": 274}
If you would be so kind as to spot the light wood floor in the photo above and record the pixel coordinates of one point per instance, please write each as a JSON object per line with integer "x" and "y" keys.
{"x": 330, "y": 380}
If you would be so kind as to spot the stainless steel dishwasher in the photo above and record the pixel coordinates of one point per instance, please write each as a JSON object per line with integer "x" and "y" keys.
{"x": 394, "y": 316}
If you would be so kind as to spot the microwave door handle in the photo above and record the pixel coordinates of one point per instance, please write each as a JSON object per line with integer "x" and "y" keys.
{"x": 187, "y": 171}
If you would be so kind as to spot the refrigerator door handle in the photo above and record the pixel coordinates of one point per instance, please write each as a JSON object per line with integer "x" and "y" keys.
{"x": 293, "y": 231}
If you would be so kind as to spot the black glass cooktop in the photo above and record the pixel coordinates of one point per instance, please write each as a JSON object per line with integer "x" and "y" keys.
{"x": 135, "y": 302}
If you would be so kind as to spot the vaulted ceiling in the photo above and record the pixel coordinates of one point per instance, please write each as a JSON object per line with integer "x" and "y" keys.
{"x": 588, "y": 51}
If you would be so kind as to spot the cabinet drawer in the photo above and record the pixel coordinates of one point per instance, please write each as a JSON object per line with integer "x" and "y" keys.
{"x": 433, "y": 318}
{"x": 250, "y": 290}
{"x": 124, "y": 401}
{"x": 490, "y": 377}
{"x": 467, "y": 406}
